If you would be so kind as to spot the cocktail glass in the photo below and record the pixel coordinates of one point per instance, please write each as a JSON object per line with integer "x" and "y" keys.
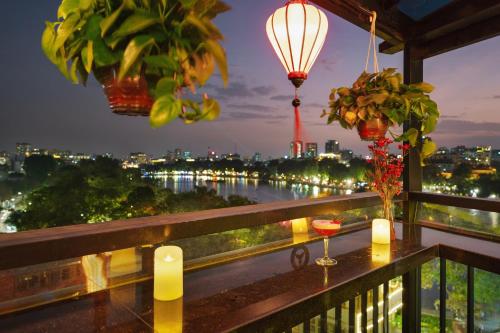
{"x": 326, "y": 228}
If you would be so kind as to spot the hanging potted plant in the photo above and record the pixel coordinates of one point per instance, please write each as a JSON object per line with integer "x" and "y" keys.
{"x": 380, "y": 100}
{"x": 145, "y": 53}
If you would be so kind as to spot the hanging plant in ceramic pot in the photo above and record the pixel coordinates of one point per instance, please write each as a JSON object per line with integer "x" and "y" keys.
{"x": 145, "y": 53}
{"x": 380, "y": 100}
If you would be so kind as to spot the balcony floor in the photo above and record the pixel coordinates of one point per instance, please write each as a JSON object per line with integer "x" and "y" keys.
{"x": 276, "y": 289}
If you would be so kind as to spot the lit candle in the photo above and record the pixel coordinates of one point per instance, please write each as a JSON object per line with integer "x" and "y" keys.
{"x": 381, "y": 231}
{"x": 168, "y": 284}
{"x": 381, "y": 253}
{"x": 168, "y": 316}
{"x": 300, "y": 231}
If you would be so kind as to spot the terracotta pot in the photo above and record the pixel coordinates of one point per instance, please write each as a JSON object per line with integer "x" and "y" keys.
{"x": 373, "y": 129}
{"x": 129, "y": 96}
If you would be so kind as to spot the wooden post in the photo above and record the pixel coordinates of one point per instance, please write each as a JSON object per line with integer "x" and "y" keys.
{"x": 412, "y": 181}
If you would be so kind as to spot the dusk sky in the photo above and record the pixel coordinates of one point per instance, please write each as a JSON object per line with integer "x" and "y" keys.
{"x": 39, "y": 106}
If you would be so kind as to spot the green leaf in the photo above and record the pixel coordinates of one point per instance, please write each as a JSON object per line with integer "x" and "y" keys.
{"x": 188, "y": 3}
{"x": 103, "y": 56}
{"x": 412, "y": 136}
{"x": 86, "y": 5}
{"x": 67, "y": 7}
{"x": 429, "y": 125}
{"x": 62, "y": 65}
{"x": 161, "y": 61}
{"x": 108, "y": 22}
{"x": 211, "y": 109}
{"x": 428, "y": 149}
{"x": 65, "y": 30}
{"x": 196, "y": 22}
{"x": 88, "y": 56}
{"x": 166, "y": 86}
{"x": 164, "y": 110}
{"x": 135, "y": 23}
{"x": 134, "y": 50}
{"x": 220, "y": 58}
{"x": 73, "y": 71}
{"x": 48, "y": 39}
{"x": 93, "y": 29}
{"x": 423, "y": 86}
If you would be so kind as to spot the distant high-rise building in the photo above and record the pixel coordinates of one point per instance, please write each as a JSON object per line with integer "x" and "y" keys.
{"x": 311, "y": 150}
{"x": 332, "y": 146}
{"x": 257, "y": 157}
{"x": 178, "y": 153}
{"x": 187, "y": 155}
{"x": 482, "y": 155}
{"x": 296, "y": 149}
{"x": 495, "y": 155}
{"x": 23, "y": 149}
{"x": 212, "y": 155}
{"x": 346, "y": 155}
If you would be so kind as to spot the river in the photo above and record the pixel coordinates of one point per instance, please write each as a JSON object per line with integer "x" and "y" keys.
{"x": 253, "y": 189}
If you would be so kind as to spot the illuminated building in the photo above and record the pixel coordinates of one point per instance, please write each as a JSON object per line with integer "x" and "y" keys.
{"x": 332, "y": 146}
{"x": 296, "y": 149}
{"x": 311, "y": 150}
{"x": 23, "y": 149}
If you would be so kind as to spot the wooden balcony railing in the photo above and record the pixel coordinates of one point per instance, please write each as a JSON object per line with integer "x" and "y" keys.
{"x": 39, "y": 246}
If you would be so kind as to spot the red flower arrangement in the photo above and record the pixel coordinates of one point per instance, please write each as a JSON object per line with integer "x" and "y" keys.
{"x": 385, "y": 178}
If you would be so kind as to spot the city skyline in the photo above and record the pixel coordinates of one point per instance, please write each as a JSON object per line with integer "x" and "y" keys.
{"x": 310, "y": 150}
{"x": 39, "y": 105}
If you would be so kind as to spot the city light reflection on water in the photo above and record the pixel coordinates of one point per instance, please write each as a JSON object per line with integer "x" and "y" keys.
{"x": 253, "y": 189}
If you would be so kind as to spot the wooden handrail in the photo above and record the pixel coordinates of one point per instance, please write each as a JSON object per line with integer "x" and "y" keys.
{"x": 39, "y": 246}
{"x": 489, "y": 205}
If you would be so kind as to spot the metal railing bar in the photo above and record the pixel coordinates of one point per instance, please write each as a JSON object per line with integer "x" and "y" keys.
{"x": 338, "y": 318}
{"x": 375, "y": 309}
{"x": 386, "y": 308}
{"x": 364, "y": 312}
{"x": 442, "y": 295}
{"x": 470, "y": 299}
{"x": 352, "y": 314}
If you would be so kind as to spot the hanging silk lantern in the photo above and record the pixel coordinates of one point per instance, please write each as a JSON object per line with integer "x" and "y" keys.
{"x": 297, "y": 33}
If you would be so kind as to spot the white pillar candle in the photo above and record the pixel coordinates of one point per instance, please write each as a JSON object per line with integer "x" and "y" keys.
{"x": 381, "y": 231}
{"x": 168, "y": 316}
{"x": 168, "y": 276}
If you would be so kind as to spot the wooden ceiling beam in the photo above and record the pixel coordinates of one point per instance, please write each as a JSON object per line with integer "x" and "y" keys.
{"x": 468, "y": 35}
{"x": 456, "y": 16}
{"x": 391, "y": 24}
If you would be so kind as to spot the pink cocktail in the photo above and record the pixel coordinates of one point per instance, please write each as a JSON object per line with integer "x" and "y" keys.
{"x": 326, "y": 228}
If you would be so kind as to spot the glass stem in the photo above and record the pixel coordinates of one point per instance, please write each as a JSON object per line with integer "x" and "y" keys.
{"x": 325, "y": 241}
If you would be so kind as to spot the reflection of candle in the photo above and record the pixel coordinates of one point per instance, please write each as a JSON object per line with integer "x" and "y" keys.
{"x": 168, "y": 273}
{"x": 381, "y": 253}
{"x": 381, "y": 231}
{"x": 168, "y": 316}
{"x": 300, "y": 231}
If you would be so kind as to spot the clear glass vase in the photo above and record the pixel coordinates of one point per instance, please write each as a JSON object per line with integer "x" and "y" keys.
{"x": 389, "y": 215}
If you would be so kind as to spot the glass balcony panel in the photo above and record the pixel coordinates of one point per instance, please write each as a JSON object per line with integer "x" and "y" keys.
{"x": 456, "y": 298}
{"x": 430, "y": 296}
{"x": 469, "y": 219}
{"x": 486, "y": 301}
